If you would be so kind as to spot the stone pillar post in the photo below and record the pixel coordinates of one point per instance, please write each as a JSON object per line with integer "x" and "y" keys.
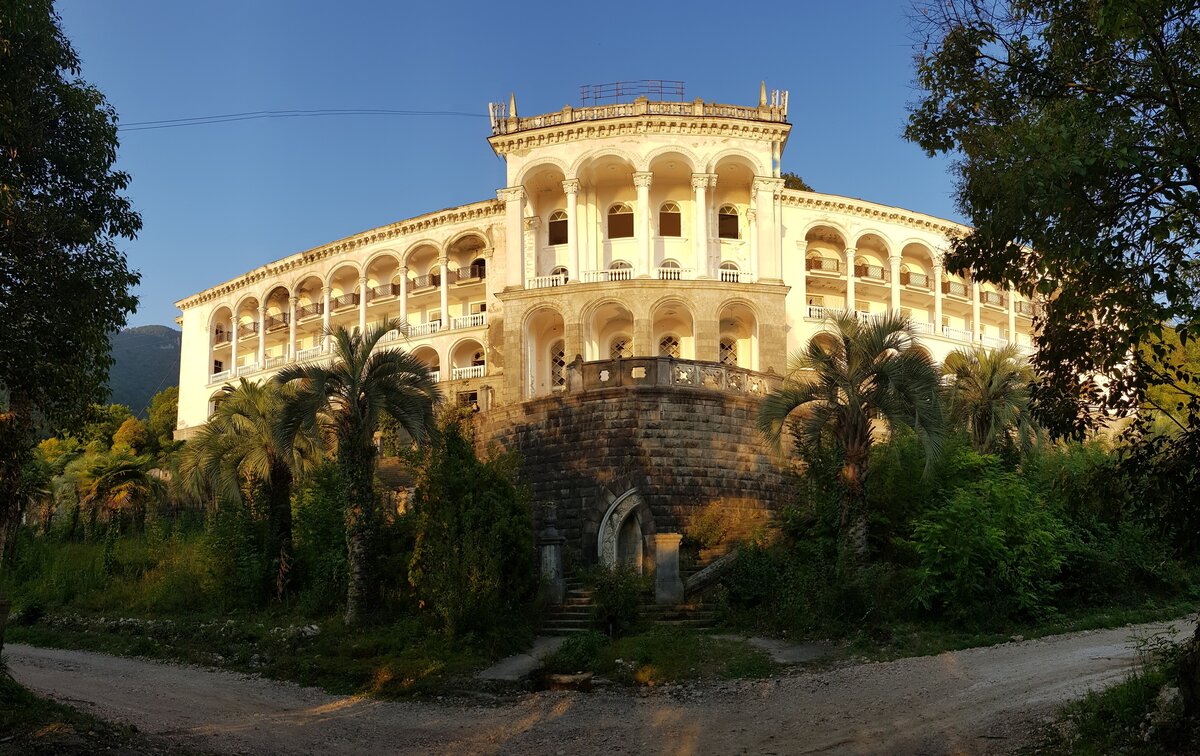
{"x": 643, "y": 338}
{"x": 233, "y": 345}
{"x": 641, "y": 182}
{"x": 700, "y": 187}
{"x": 668, "y": 584}
{"x": 976, "y": 328}
{"x": 764, "y": 189}
{"x": 326, "y": 317}
{"x": 894, "y": 265}
{"x": 571, "y": 188}
{"x": 550, "y": 543}
{"x": 403, "y": 298}
{"x": 513, "y": 198}
{"x": 937, "y": 298}
{"x": 708, "y": 340}
{"x": 262, "y": 336}
{"x": 1011, "y": 295}
{"x": 291, "y": 350}
{"x": 850, "y": 252}
{"x": 362, "y": 307}
{"x": 444, "y": 266}
{"x": 752, "y": 223}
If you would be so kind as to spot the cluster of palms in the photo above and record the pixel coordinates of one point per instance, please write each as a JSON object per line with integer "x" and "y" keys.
{"x": 261, "y": 436}
{"x": 863, "y": 378}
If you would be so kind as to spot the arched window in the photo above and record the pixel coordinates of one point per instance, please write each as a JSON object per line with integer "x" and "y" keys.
{"x": 668, "y": 346}
{"x": 620, "y": 221}
{"x": 557, "y": 227}
{"x": 727, "y": 222}
{"x": 435, "y": 275}
{"x": 670, "y": 222}
{"x": 479, "y": 268}
{"x": 729, "y": 352}
{"x": 620, "y": 270}
{"x": 621, "y": 348}
{"x": 558, "y": 366}
{"x": 669, "y": 271}
{"x": 730, "y": 273}
{"x": 560, "y": 276}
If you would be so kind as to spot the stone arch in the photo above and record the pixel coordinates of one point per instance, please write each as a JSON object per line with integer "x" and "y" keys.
{"x": 737, "y": 152}
{"x": 375, "y": 257}
{"x": 342, "y": 265}
{"x": 622, "y": 535}
{"x": 875, "y": 240}
{"x": 739, "y": 320}
{"x": 827, "y": 225}
{"x": 673, "y": 316}
{"x": 591, "y": 157}
{"x": 539, "y": 164}
{"x": 543, "y": 327}
{"x": 648, "y": 159}
{"x": 602, "y": 322}
{"x": 420, "y": 243}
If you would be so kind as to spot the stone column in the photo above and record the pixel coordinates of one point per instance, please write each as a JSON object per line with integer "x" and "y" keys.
{"x": 937, "y": 298}
{"x": 764, "y": 189}
{"x": 1011, "y": 294}
{"x": 752, "y": 223}
{"x": 700, "y": 188}
{"x": 894, "y": 263}
{"x": 668, "y": 584}
{"x": 362, "y": 306}
{"x": 262, "y": 336}
{"x": 550, "y": 543}
{"x": 403, "y": 298}
{"x": 976, "y": 329}
{"x": 326, "y": 318}
{"x": 291, "y": 350}
{"x": 708, "y": 340}
{"x": 850, "y": 253}
{"x": 233, "y": 345}
{"x": 643, "y": 338}
{"x": 571, "y": 188}
{"x": 444, "y": 265}
{"x": 513, "y": 198}
{"x": 641, "y": 182}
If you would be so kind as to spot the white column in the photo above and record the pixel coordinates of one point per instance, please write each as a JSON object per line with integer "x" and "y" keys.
{"x": 937, "y": 298}
{"x": 700, "y": 246}
{"x": 764, "y": 189}
{"x": 233, "y": 345}
{"x": 444, "y": 263}
{"x": 362, "y": 306}
{"x": 752, "y": 222}
{"x": 571, "y": 189}
{"x": 894, "y": 262}
{"x": 262, "y": 335}
{"x": 1012, "y": 315}
{"x": 403, "y": 296}
{"x": 850, "y": 252}
{"x": 326, "y": 317}
{"x": 641, "y": 182}
{"x": 291, "y": 350}
{"x": 514, "y": 235}
{"x": 976, "y": 329}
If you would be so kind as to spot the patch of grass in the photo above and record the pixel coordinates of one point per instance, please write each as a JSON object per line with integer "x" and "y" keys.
{"x": 660, "y": 656}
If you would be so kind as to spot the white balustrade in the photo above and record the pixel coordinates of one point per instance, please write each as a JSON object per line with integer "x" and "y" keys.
{"x": 545, "y": 282}
{"x": 736, "y": 276}
{"x": 475, "y": 371}
{"x": 308, "y": 354}
{"x": 249, "y": 367}
{"x": 674, "y": 274}
{"x": 425, "y": 329}
{"x": 274, "y": 362}
{"x": 993, "y": 341}
{"x": 958, "y": 334}
{"x": 436, "y": 375}
{"x": 220, "y": 376}
{"x": 819, "y": 313}
{"x": 921, "y": 327}
{"x": 469, "y": 321}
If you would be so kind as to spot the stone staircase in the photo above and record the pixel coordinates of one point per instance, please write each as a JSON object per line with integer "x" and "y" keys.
{"x": 575, "y": 614}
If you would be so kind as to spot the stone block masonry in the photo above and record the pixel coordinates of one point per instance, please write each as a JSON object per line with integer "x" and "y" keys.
{"x": 680, "y": 449}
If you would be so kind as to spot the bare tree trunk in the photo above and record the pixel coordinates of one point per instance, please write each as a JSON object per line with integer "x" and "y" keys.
{"x": 361, "y": 526}
{"x": 854, "y": 506}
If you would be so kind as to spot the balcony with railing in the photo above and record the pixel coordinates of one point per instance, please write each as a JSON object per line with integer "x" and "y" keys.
{"x": 436, "y": 375}
{"x": 310, "y": 353}
{"x": 310, "y": 310}
{"x": 674, "y": 273}
{"x": 735, "y": 276}
{"x": 220, "y": 375}
{"x": 604, "y": 276}
{"x": 275, "y": 362}
{"x": 424, "y": 329}
{"x": 921, "y": 326}
{"x": 993, "y": 298}
{"x": 872, "y": 272}
{"x": 1025, "y": 308}
{"x": 823, "y": 265}
{"x": 916, "y": 280}
{"x": 470, "y": 274}
{"x": 344, "y": 301}
{"x": 995, "y": 342}
{"x": 959, "y": 334}
{"x": 476, "y": 320}
{"x": 386, "y": 291}
{"x": 955, "y": 289}
{"x": 545, "y": 282}
{"x": 431, "y": 281}
{"x": 220, "y": 337}
{"x": 275, "y": 322}
{"x": 247, "y": 329}
{"x": 474, "y": 371}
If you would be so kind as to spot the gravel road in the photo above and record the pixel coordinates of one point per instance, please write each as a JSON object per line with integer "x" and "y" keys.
{"x": 984, "y": 700}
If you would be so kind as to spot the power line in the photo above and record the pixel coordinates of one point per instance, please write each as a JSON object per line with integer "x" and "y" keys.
{"x": 172, "y": 123}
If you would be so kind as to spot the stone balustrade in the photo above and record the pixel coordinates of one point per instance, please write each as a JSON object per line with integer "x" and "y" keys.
{"x": 638, "y": 372}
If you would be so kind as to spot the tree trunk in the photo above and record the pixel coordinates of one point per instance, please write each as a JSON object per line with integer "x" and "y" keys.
{"x": 280, "y": 503}
{"x": 854, "y": 506}
{"x": 361, "y": 525}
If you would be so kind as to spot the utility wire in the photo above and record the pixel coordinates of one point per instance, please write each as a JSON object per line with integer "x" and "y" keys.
{"x": 172, "y": 123}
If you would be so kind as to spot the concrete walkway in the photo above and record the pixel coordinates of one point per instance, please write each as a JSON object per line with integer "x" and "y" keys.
{"x": 517, "y": 666}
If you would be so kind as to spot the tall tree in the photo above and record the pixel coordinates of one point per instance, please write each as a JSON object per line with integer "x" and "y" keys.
{"x": 243, "y": 450}
{"x": 64, "y": 283}
{"x": 1076, "y": 124}
{"x": 345, "y": 402}
{"x": 851, "y": 373}
{"x": 989, "y": 396}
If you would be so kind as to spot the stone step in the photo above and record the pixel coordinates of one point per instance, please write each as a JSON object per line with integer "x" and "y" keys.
{"x": 689, "y": 623}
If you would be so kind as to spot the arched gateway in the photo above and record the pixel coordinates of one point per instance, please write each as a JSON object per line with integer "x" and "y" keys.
{"x": 620, "y": 539}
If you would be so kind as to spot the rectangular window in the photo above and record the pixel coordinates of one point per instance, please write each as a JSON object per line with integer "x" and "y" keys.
{"x": 469, "y": 399}
{"x": 620, "y": 225}
{"x": 218, "y": 366}
{"x": 816, "y": 300}
{"x": 557, "y": 231}
{"x": 478, "y": 307}
{"x": 669, "y": 224}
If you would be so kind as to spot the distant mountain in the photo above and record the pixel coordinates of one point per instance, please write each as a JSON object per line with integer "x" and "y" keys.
{"x": 146, "y": 361}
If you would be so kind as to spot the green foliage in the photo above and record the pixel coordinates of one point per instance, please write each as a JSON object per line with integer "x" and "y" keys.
{"x": 793, "y": 181}
{"x": 660, "y": 655}
{"x": 132, "y": 434}
{"x": 162, "y": 416}
{"x": 238, "y": 570}
{"x": 578, "y": 653}
{"x": 103, "y": 422}
{"x": 988, "y": 396}
{"x": 991, "y": 551}
{"x": 320, "y": 542}
{"x": 617, "y": 594}
{"x": 473, "y": 563}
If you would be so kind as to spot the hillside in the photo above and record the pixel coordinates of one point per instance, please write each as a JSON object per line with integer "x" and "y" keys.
{"x": 146, "y": 361}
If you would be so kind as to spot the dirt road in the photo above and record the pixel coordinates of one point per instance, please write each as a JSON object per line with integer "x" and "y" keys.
{"x": 976, "y": 701}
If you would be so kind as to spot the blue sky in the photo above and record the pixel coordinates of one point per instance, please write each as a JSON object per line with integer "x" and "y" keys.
{"x": 218, "y": 200}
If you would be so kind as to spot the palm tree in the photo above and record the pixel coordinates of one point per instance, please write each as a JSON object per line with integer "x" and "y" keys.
{"x": 852, "y": 373}
{"x": 117, "y": 482}
{"x": 244, "y": 445}
{"x": 989, "y": 394}
{"x": 344, "y": 401}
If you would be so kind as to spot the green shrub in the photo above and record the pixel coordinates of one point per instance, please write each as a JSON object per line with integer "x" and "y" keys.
{"x": 319, "y": 542}
{"x": 237, "y": 573}
{"x": 578, "y": 653}
{"x": 616, "y": 598}
{"x": 991, "y": 552}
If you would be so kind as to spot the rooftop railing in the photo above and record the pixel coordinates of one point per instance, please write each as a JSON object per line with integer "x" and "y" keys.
{"x": 641, "y": 106}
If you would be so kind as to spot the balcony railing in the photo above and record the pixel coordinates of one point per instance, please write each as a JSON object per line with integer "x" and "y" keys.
{"x": 249, "y": 367}
{"x": 992, "y": 341}
{"x": 247, "y": 329}
{"x": 922, "y": 327}
{"x": 636, "y": 108}
{"x": 1025, "y": 308}
{"x": 872, "y": 272}
{"x": 220, "y": 375}
{"x": 673, "y": 274}
{"x": 307, "y": 311}
{"x": 475, "y": 371}
{"x": 908, "y": 278}
{"x": 274, "y": 362}
{"x": 424, "y": 329}
{"x": 342, "y": 302}
{"x": 469, "y": 321}
{"x": 383, "y": 292}
{"x": 545, "y": 282}
{"x": 994, "y": 298}
{"x": 308, "y": 354}
{"x": 471, "y": 273}
{"x": 602, "y": 276}
{"x": 220, "y": 337}
{"x": 436, "y": 375}
{"x": 425, "y": 282}
{"x": 958, "y": 334}
{"x": 820, "y": 313}
{"x": 954, "y": 289}
{"x": 277, "y": 321}
{"x": 823, "y": 265}
{"x": 736, "y": 276}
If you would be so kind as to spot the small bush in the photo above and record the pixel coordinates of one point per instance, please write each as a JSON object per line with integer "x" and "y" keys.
{"x": 578, "y": 653}
{"x": 319, "y": 542}
{"x": 616, "y": 599}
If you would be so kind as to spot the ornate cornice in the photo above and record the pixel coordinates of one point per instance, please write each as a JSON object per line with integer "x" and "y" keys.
{"x": 863, "y": 209}
{"x": 474, "y": 212}
{"x": 576, "y": 131}
{"x": 510, "y": 193}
